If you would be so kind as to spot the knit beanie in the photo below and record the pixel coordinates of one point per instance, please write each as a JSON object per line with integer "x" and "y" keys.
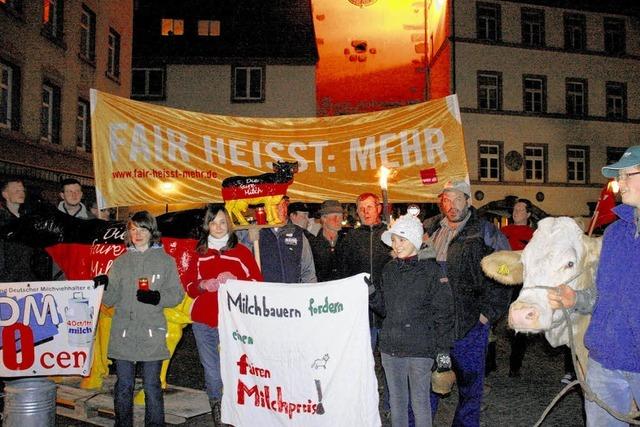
{"x": 407, "y": 226}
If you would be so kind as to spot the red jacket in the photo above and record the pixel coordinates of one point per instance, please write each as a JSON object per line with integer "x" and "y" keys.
{"x": 518, "y": 235}
{"x": 238, "y": 261}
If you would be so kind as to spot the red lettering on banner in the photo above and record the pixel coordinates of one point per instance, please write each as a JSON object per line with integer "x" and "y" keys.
{"x": 10, "y": 353}
{"x": 63, "y": 359}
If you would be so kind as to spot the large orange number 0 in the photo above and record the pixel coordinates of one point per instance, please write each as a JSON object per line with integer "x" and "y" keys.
{"x": 10, "y": 353}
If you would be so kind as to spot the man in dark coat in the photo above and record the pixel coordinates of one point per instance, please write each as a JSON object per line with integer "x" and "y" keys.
{"x": 460, "y": 243}
{"x": 324, "y": 245}
{"x": 16, "y": 258}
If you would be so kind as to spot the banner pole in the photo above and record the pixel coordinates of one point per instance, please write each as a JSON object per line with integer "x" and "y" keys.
{"x": 594, "y": 219}
{"x": 256, "y": 252}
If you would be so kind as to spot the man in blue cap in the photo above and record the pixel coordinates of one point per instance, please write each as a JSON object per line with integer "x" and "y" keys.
{"x": 613, "y": 336}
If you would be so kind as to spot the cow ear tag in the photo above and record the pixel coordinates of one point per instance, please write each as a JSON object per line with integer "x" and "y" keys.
{"x": 503, "y": 270}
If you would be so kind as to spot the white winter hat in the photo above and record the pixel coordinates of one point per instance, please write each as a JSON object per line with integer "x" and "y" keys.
{"x": 407, "y": 226}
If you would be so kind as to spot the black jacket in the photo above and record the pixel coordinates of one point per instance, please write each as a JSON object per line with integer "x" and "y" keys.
{"x": 418, "y": 307}
{"x": 325, "y": 257}
{"x": 473, "y": 292}
{"x": 362, "y": 251}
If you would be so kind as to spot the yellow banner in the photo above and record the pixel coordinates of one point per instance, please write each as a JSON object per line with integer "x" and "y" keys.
{"x": 144, "y": 153}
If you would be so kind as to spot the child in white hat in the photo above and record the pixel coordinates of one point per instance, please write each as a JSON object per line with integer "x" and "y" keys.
{"x": 417, "y": 330}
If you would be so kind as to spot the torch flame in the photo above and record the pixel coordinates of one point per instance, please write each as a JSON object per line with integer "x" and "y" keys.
{"x": 384, "y": 173}
{"x": 614, "y": 186}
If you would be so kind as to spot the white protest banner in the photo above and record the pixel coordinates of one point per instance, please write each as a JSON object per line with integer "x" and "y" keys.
{"x": 297, "y": 355}
{"x": 47, "y": 328}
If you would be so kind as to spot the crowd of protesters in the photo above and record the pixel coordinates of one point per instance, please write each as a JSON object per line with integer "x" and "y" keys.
{"x": 431, "y": 306}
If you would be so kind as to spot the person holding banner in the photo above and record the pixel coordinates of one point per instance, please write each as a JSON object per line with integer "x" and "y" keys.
{"x": 142, "y": 282}
{"x": 418, "y": 328}
{"x": 219, "y": 257}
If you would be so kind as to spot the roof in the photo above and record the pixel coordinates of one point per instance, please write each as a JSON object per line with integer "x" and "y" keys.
{"x": 274, "y": 31}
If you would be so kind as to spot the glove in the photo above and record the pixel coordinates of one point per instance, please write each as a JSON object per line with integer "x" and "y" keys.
{"x": 443, "y": 362}
{"x": 367, "y": 280}
{"x": 101, "y": 280}
{"x": 148, "y": 297}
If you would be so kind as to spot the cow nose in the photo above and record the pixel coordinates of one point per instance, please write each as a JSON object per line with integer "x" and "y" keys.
{"x": 532, "y": 315}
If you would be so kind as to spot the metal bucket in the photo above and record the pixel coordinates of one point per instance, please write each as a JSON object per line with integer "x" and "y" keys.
{"x": 29, "y": 402}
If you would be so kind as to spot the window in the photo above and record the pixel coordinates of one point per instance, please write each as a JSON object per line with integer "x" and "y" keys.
{"x": 489, "y": 90}
{"x": 50, "y": 120}
{"x": 488, "y": 21}
{"x": 614, "y": 36}
{"x": 113, "y": 54}
{"x": 576, "y": 93}
{"x": 208, "y": 28}
{"x": 574, "y": 31}
{"x": 52, "y": 18}
{"x": 247, "y": 84}
{"x": 577, "y": 164}
{"x": 9, "y": 96}
{"x": 535, "y": 162}
{"x": 172, "y": 27}
{"x": 616, "y": 100}
{"x": 88, "y": 34}
{"x": 83, "y": 128}
{"x": 532, "y": 27}
{"x": 147, "y": 83}
{"x": 490, "y": 155}
{"x": 614, "y": 154}
{"x": 534, "y": 93}
{"x": 14, "y": 5}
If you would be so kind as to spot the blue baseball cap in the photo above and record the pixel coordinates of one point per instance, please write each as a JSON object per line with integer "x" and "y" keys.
{"x": 629, "y": 159}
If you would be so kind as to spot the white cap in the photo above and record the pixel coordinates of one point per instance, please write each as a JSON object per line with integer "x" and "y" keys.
{"x": 407, "y": 226}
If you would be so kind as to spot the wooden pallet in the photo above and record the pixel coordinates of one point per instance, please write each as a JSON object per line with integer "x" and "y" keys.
{"x": 96, "y": 406}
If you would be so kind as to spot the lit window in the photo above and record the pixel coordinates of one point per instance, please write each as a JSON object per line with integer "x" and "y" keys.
{"x": 88, "y": 34}
{"x": 172, "y": 27}
{"x": 248, "y": 84}
{"x": 208, "y": 28}
{"x": 577, "y": 161}
{"x": 83, "y": 129}
{"x": 147, "y": 83}
{"x": 534, "y": 163}
{"x": 113, "y": 54}
{"x": 52, "y": 18}
{"x": 490, "y": 161}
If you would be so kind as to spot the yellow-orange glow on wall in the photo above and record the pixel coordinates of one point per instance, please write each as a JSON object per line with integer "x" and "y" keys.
{"x": 172, "y": 27}
{"x": 371, "y": 58}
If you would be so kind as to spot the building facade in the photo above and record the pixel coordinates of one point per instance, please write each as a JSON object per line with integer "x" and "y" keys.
{"x": 548, "y": 92}
{"x": 52, "y": 52}
{"x": 241, "y": 58}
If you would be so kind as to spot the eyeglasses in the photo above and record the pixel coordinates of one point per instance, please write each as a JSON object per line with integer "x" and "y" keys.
{"x": 625, "y": 176}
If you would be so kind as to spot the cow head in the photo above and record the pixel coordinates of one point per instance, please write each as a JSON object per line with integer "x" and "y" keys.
{"x": 559, "y": 252}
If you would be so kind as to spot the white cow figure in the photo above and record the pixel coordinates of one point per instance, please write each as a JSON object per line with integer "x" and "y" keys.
{"x": 559, "y": 252}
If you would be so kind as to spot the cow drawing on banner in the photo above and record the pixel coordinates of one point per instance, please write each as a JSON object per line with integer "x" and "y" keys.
{"x": 239, "y": 192}
{"x": 558, "y": 253}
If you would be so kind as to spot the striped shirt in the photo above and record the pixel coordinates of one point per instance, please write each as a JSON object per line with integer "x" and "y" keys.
{"x": 444, "y": 235}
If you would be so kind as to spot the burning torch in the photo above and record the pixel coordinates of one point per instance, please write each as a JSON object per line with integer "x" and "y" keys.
{"x": 384, "y": 173}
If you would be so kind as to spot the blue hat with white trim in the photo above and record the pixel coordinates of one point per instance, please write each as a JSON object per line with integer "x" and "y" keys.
{"x": 629, "y": 159}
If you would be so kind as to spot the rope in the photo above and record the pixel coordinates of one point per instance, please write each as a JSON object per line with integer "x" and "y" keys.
{"x": 631, "y": 418}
